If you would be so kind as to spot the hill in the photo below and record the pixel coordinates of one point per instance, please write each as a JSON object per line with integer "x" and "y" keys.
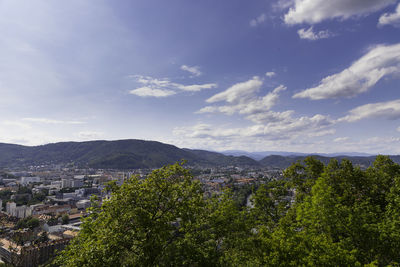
{"x": 282, "y": 162}
{"x": 120, "y": 154}
{"x": 134, "y": 154}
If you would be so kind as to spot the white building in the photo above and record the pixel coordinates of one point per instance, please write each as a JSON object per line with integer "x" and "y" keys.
{"x": 66, "y": 183}
{"x": 71, "y": 183}
{"x": 19, "y": 212}
{"x": 83, "y": 204}
{"x": 23, "y": 212}
{"x": 29, "y": 180}
{"x": 10, "y": 208}
{"x": 56, "y": 184}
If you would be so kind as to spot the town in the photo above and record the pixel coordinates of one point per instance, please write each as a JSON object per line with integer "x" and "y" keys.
{"x": 42, "y": 207}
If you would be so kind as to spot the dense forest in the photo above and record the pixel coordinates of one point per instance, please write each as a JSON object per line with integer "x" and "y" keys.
{"x": 317, "y": 215}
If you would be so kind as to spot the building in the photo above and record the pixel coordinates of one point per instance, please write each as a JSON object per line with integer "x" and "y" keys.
{"x": 19, "y": 212}
{"x": 29, "y": 180}
{"x": 83, "y": 204}
{"x": 65, "y": 183}
{"x": 56, "y": 184}
{"x": 77, "y": 183}
{"x": 10, "y": 208}
{"x": 48, "y": 209}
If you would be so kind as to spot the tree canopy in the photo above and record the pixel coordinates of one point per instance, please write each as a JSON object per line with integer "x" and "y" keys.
{"x": 318, "y": 215}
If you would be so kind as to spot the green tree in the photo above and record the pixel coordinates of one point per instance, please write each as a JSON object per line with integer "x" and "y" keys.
{"x": 65, "y": 219}
{"x": 163, "y": 220}
{"x": 28, "y": 222}
{"x": 333, "y": 215}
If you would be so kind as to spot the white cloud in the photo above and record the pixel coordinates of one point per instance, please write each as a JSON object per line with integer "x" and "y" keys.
{"x": 341, "y": 139}
{"x": 194, "y": 70}
{"x": 381, "y": 61}
{"x": 17, "y": 124}
{"x": 238, "y": 92}
{"x": 309, "y": 34}
{"x": 197, "y": 87}
{"x": 290, "y": 128}
{"x": 150, "y": 92}
{"x": 386, "y": 110}
{"x": 51, "y": 121}
{"x": 315, "y": 11}
{"x": 257, "y": 21}
{"x": 322, "y": 133}
{"x": 390, "y": 18}
{"x": 282, "y": 5}
{"x": 398, "y": 129}
{"x": 270, "y": 74}
{"x": 153, "y": 87}
{"x": 242, "y": 98}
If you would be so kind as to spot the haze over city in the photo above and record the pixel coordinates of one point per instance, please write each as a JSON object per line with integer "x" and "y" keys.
{"x": 303, "y": 76}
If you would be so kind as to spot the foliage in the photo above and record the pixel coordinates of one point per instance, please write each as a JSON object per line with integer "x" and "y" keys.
{"x": 161, "y": 220}
{"x": 28, "y": 222}
{"x": 318, "y": 215}
{"x": 65, "y": 219}
{"x": 5, "y": 196}
{"x": 241, "y": 193}
{"x": 24, "y": 190}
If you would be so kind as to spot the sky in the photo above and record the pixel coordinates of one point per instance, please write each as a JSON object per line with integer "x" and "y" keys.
{"x": 309, "y": 76}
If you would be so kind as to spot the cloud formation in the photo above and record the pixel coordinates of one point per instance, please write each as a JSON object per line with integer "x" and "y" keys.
{"x": 341, "y": 139}
{"x": 381, "y": 61}
{"x": 194, "y": 70}
{"x": 151, "y": 92}
{"x": 287, "y": 129}
{"x": 391, "y": 18}
{"x": 257, "y": 21}
{"x": 386, "y": 110}
{"x": 315, "y": 11}
{"x": 243, "y": 99}
{"x": 270, "y": 74}
{"x": 238, "y": 92}
{"x": 309, "y": 34}
{"x": 152, "y": 87}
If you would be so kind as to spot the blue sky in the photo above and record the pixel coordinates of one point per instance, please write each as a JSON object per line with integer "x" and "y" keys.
{"x": 288, "y": 75}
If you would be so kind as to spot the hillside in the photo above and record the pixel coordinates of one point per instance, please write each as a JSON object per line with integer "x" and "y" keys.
{"x": 285, "y": 161}
{"x": 120, "y": 154}
{"x": 133, "y": 154}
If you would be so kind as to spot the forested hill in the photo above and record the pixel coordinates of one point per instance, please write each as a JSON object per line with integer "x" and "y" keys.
{"x": 132, "y": 154}
{"x": 120, "y": 154}
{"x": 285, "y": 161}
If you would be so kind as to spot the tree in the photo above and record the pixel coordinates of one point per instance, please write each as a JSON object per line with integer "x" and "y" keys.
{"x": 349, "y": 217}
{"x": 162, "y": 220}
{"x": 28, "y": 222}
{"x": 339, "y": 215}
{"x": 65, "y": 219}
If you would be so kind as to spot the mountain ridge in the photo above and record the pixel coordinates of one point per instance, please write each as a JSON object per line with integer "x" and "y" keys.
{"x": 135, "y": 154}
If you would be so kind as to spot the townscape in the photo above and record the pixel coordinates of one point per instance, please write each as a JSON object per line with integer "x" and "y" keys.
{"x": 43, "y": 206}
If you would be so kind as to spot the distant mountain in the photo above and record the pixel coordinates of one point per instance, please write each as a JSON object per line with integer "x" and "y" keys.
{"x": 134, "y": 154}
{"x": 223, "y": 160}
{"x": 262, "y": 154}
{"x": 281, "y": 162}
{"x": 120, "y": 154}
